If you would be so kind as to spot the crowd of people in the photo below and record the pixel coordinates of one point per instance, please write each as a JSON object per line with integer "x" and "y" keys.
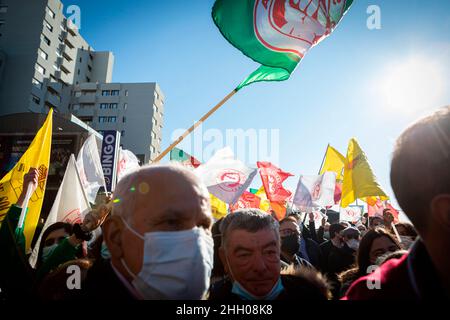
{"x": 159, "y": 241}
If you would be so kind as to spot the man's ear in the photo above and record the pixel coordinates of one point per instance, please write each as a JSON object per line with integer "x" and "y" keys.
{"x": 224, "y": 260}
{"x": 112, "y": 235}
{"x": 440, "y": 210}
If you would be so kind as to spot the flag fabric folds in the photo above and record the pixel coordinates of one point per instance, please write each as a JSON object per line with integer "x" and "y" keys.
{"x": 225, "y": 177}
{"x": 359, "y": 180}
{"x": 315, "y": 191}
{"x": 276, "y": 33}
{"x": 351, "y": 214}
{"x": 36, "y": 156}
{"x": 272, "y": 178}
{"x": 218, "y": 208}
{"x": 70, "y": 205}
{"x": 246, "y": 201}
{"x": 334, "y": 161}
{"x": 90, "y": 168}
{"x": 128, "y": 162}
{"x": 185, "y": 158}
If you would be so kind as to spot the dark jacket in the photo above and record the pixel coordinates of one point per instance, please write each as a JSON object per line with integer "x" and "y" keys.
{"x": 340, "y": 259}
{"x": 16, "y": 277}
{"x": 412, "y": 277}
{"x": 299, "y": 284}
{"x": 325, "y": 249}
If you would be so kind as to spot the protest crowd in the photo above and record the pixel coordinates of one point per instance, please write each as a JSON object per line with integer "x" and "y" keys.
{"x": 155, "y": 237}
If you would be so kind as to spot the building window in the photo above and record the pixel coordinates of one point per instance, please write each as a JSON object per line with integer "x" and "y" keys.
{"x": 35, "y": 99}
{"x": 153, "y": 135}
{"x": 56, "y": 67}
{"x": 156, "y": 95}
{"x": 48, "y": 26}
{"x": 103, "y": 105}
{"x": 108, "y": 105}
{"x": 114, "y": 92}
{"x": 3, "y": 9}
{"x": 39, "y": 68}
{"x": 43, "y": 54}
{"x": 126, "y": 93}
{"x": 53, "y": 79}
{"x": 122, "y": 133}
{"x": 58, "y": 52}
{"x": 46, "y": 40}
{"x": 37, "y": 83}
{"x": 155, "y": 108}
{"x": 106, "y": 93}
{"x": 89, "y": 68}
{"x": 125, "y": 106}
{"x": 124, "y": 119}
{"x": 152, "y": 149}
{"x": 155, "y": 123}
{"x": 50, "y": 12}
{"x": 88, "y": 79}
{"x": 77, "y": 93}
{"x": 107, "y": 119}
{"x": 75, "y": 107}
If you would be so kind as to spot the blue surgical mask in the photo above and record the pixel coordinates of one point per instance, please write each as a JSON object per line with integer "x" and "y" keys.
{"x": 104, "y": 252}
{"x": 176, "y": 264}
{"x": 239, "y": 290}
{"x": 48, "y": 251}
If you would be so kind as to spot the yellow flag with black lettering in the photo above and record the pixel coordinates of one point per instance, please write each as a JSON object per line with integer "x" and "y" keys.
{"x": 359, "y": 180}
{"x": 37, "y": 156}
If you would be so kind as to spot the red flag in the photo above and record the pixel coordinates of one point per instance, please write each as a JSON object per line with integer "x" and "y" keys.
{"x": 246, "y": 200}
{"x": 337, "y": 192}
{"x": 394, "y": 212}
{"x": 272, "y": 179}
{"x": 376, "y": 210}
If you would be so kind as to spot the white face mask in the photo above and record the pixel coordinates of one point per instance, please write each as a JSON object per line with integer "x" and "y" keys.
{"x": 177, "y": 264}
{"x": 353, "y": 244}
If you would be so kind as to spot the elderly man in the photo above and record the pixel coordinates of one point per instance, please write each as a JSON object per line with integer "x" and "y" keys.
{"x": 158, "y": 237}
{"x": 420, "y": 178}
{"x": 250, "y": 253}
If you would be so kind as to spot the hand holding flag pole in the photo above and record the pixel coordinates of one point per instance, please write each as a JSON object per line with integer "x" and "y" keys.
{"x": 30, "y": 181}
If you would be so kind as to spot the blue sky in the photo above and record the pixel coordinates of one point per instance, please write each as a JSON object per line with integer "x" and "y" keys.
{"x": 361, "y": 83}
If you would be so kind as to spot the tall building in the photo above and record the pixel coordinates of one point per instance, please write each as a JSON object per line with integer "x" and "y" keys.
{"x": 46, "y": 63}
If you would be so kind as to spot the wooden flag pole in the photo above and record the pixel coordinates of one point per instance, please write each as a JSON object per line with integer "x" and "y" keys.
{"x": 195, "y": 125}
{"x": 323, "y": 160}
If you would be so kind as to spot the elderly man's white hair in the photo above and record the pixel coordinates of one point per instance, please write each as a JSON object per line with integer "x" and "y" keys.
{"x": 135, "y": 185}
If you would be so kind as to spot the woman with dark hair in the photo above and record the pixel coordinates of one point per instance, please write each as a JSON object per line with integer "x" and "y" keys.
{"x": 375, "y": 243}
{"x": 408, "y": 234}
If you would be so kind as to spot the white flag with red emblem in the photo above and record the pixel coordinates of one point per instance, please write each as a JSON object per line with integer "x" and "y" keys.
{"x": 315, "y": 191}
{"x": 351, "y": 214}
{"x": 128, "y": 163}
{"x": 226, "y": 177}
{"x": 71, "y": 203}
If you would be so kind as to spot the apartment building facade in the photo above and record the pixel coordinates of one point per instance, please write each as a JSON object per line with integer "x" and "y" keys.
{"x": 46, "y": 63}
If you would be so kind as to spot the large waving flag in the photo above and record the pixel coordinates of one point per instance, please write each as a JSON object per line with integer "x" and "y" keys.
{"x": 276, "y": 33}
{"x": 272, "y": 179}
{"x": 71, "y": 203}
{"x": 185, "y": 158}
{"x": 37, "y": 156}
{"x": 315, "y": 191}
{"x": 90, "y": 168}
{"x": 359, "y": 180}
{"x": 226, "y": 177}
{"x": 334, "y": 161}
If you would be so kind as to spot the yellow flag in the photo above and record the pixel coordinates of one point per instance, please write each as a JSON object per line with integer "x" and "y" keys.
{"x": 359, "y": 180}
{"x": 264, "y": 204}
{"x": 37, "y": 156}
{"x": 218, "y": 207}
{"x": 334, "y": 161}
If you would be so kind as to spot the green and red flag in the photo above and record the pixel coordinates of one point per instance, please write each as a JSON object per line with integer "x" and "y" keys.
{"x": 185, "y": 158}
{"x": 276, "y": 33}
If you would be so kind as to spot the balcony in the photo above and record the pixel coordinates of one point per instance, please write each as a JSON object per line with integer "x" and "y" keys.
{"x": 87, "y": 99}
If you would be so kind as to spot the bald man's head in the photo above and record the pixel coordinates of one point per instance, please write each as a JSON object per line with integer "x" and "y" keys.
{"x": 165, "y": 191}
{"x": 420, "y": 168}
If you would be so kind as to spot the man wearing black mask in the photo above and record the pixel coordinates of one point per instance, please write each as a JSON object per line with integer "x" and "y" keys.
{"x": 290, "y": 242}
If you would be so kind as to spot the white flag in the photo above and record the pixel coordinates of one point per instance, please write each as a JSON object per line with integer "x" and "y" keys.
{"x": 128, "y": 163}
{"x": 90, "y": 168}
{"x": 71, "y": 204}
{"x": 226, "y": 177}
{"x": 351, "y": 214}
{"x": 315, "y": 191}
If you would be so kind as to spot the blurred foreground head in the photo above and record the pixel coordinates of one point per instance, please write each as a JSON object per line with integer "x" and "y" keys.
{"x": 159, "y": 233}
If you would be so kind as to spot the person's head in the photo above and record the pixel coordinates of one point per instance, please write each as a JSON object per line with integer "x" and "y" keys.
{"x": 362, "y": 229}
{"x": 51, "y": 237}
{"x": 250, "y": 250}
{"x": 159, "y": 231}
{"x": 420, "y": 179}
{"x": 375, "y": 243}
{"x": 290, "y": 236}
{"x": 351, "y": 237}
{"x": 376, "y": 222}
{"x": 345, "y": 224}
{"x": 406, "y": 229}
{"x": 335, "y": 231}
